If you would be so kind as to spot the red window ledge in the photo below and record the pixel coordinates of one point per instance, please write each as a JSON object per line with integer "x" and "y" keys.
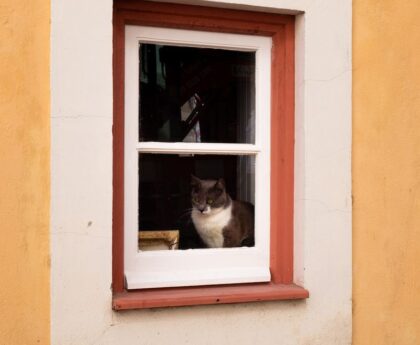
{"x": 220, "y": 294}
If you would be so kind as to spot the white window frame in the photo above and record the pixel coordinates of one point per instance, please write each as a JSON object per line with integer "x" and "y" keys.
{"x": 153, "y": 269}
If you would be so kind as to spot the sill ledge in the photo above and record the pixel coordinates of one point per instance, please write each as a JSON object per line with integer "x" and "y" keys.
{"x": 200, "y": 295}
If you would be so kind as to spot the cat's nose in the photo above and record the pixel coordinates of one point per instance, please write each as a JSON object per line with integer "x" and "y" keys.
{"x": 202, "y": 208}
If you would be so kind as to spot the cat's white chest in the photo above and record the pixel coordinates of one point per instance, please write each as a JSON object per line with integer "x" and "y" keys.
{"x": 210, "y": 227}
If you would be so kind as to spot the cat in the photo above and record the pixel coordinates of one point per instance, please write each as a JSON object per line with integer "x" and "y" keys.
{"x": 220, "y": 221}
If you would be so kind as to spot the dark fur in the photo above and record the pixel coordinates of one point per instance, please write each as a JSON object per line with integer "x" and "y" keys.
{"x": 240, "y": 230}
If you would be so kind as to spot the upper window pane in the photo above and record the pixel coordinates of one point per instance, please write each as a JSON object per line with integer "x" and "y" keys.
{"x": 196, "y": 95}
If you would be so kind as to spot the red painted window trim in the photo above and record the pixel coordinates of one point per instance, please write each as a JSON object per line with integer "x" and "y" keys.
{"x": 281, "y": 29}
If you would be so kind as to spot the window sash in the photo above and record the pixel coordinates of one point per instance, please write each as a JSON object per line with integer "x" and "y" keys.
{"x": 207, "y": 266}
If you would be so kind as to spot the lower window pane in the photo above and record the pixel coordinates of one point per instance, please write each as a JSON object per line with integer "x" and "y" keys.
{"x": 218, "y": 189}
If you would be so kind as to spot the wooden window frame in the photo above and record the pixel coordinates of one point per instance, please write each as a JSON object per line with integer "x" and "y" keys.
{"x": 281, "y": 29}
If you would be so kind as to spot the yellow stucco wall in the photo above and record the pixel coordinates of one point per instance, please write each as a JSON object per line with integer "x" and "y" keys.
{"x": 24, "y": 172}
{"x": 386, "y": 172}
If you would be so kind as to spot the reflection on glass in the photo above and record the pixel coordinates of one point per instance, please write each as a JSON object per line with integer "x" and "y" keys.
{"x": 165, "y": 191}
{"x": 196, "y": 95}
{"x": 189, "y": 115}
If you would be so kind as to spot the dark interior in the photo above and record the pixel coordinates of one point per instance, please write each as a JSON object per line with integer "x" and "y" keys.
{"x": 192, "y": 95}
{"x": 221, "y": 83}
{"x": 164, "y": 190}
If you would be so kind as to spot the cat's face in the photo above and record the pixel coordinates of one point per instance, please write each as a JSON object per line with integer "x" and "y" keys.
{"x": 208, "y": 196}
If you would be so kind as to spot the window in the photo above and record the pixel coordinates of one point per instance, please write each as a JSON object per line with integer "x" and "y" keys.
{"x": 238, "y": 146}
{"x": 160, "y": 157}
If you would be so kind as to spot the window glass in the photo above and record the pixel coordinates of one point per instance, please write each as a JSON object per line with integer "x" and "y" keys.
{"x": 196, "y": 95}
{"x": 165, "y": 199}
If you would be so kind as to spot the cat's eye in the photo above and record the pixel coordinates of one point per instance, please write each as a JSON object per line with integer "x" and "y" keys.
{"x": 209, "y": 201}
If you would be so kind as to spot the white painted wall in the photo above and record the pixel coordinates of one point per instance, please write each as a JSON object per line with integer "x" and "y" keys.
{"x": 81, "y": 80}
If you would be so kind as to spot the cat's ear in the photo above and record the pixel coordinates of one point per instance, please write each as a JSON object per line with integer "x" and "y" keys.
{"x": 220, "y": 183}
{"x": 195, "y": 181}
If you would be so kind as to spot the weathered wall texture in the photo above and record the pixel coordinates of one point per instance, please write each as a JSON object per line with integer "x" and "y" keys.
{"x": 24, "y": 172}
{"x": 81, "y": 185}
{"x": 386, "y": 172}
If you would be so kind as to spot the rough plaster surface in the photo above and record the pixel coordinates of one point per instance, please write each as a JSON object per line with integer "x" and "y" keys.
{"x": 81, "y": 56}
{"x": 386, "y": 165}
{"x": 24, "y": 172}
